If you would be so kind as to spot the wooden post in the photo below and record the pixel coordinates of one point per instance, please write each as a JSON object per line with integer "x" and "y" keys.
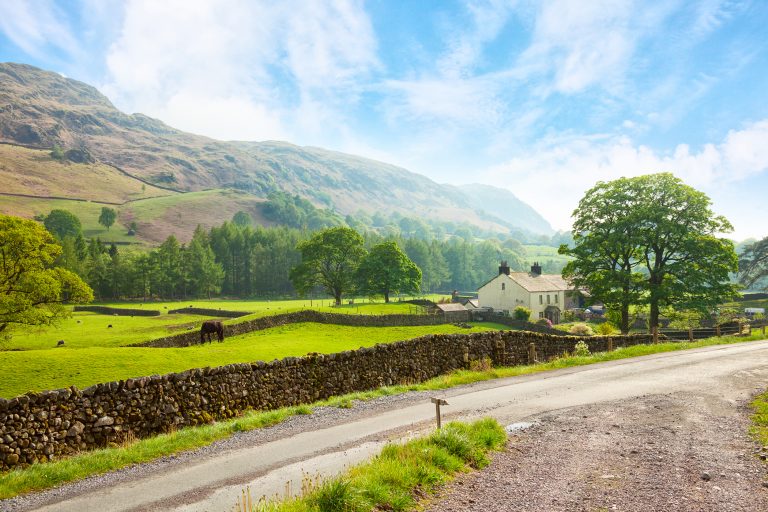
{"x": 741, "y": 328}
{"x": 531, "y": 353}
{"x": 438, "y": 402}
{"x": 717, "y": 330}
{"x": 655, "y": 334}
{"x": 763, "y": 328}
{"x": 610, "y": 344}
{"x": 690, "y": 334}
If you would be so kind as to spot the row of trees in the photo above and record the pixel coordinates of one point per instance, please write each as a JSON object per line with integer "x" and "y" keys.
{"x": 651, "y": 241}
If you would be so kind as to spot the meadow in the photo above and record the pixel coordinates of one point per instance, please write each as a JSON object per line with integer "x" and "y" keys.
{"x": 94, "y": 353}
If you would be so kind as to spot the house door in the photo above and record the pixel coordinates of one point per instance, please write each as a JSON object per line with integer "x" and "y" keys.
{"x": 552, "y": 313}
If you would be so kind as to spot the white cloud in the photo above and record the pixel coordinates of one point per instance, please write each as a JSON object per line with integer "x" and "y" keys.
{"x": 239, "y": 58}
{"x": 37, "y": 27}
{"x": 554, "y": 175}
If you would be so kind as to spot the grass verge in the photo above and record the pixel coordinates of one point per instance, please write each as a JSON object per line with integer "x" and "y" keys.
{"x": 400, "y": 474}
{"x": 43, "y": 476}
{"x": 759, "y": 429}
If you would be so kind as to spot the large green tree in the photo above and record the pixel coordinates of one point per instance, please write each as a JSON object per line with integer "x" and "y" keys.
{"x": 107, "y": 217}
{"x": 329, "y": 259}
{"x": 651, "y": 240}
{"x": 386, "y": 270}
{"x": 606, "y": 248}
{"x": 753, "y": 264}
{"x": 32, "y": 289}
{"x": 63, "y": 223}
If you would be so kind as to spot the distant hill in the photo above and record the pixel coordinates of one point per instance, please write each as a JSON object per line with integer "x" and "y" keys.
{"x": 505, "y": 205}
{"x": 41, "y": 109}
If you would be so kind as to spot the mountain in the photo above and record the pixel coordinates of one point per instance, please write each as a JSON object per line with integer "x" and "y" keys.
{"x": 504, "y": 204}
{"x": 40, "y": 109}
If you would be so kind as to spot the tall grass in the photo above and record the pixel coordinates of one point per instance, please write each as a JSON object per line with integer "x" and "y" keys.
{"x": 400, "y": 474}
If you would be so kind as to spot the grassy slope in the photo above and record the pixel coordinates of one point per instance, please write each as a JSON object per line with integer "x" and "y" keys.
{"x": 54, "y": 368}
{"x": 34, "y": 172}
{"x": 543, "y": 253}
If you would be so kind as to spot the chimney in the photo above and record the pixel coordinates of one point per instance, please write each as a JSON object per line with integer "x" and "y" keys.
{"x": 503, "y": 268}
{"x": 535, "y": 269}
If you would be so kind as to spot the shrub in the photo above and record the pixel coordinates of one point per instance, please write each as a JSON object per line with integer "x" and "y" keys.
{"x": 581, "y": 349}
{"x": 522, "y": 313}
{"x": 545, "y": 322}
{"x": 580, "y": 330}
{"x": 605, "y": 329}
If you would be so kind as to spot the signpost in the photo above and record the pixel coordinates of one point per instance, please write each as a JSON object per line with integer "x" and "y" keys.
{"x": 438, "y": 402}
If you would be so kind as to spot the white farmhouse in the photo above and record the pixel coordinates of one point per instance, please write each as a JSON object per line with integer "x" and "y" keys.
{"x": 546, "y": 295}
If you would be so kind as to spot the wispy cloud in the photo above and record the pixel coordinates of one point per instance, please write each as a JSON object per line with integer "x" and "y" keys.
{"x": 38, "y": 28}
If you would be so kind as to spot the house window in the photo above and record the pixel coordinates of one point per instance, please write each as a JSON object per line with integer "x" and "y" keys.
{"x": 548, "y": 299}
{"x": 503, "y": 285}
{"x": 557, "y": 298}
{"x": 541, "y": 299}
{"x": 541, "y": 314}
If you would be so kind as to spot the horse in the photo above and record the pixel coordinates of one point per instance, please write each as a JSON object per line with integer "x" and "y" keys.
{"x": 209, "y": 327}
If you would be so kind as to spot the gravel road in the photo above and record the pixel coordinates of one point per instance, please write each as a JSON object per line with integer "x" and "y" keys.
{"x": 672, "y": 452}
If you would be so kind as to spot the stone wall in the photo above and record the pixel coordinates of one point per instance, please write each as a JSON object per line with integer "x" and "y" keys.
{"x": 267, "y": 322}
{"x": 220, "y": 313}
{"x": 106, "y": 310}
{"x": 43, "y": 426}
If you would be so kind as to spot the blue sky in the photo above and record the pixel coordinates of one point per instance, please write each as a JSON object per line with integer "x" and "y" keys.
{"x": 542, "y": 98}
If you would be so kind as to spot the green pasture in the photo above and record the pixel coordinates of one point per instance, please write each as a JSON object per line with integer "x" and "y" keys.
{"x": 543, "y": 253}
{"x": 53, "y": 368}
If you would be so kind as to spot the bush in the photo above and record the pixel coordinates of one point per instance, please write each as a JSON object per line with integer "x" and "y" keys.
{"x": 581, "y": 349}
{"x": 580, "y": 330}
{"x": 605, "y": 329}
{"x": 544, "y": 322}
{"x": 522, "y": 313}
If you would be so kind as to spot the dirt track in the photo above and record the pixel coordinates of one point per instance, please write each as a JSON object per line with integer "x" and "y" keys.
{"x": 681, "y": 452}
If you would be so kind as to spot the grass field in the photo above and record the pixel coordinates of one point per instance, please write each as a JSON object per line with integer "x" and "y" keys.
{"x": 53, "y": 368}
{"x": 544, "y": 253}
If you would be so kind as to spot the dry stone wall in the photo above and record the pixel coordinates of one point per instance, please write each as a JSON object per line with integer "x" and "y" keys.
{"x": 106, "y": 310}
{"x": 38, "y": 427}
{"x": 267, "y": 322}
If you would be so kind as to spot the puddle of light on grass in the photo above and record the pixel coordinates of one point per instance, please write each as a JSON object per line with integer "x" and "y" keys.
{"x": 516, "y": 427}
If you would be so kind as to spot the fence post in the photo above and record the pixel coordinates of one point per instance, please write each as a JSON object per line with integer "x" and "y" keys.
{"x": 655, "y": 334}
{"x": 531, "y": 353}
{"x": 610, "y": 344}
{"x": 690, "y": 334}
{"x": 741, "y": 327}
{"x": 717, "y": 330}
{"x": 466, "y": 357}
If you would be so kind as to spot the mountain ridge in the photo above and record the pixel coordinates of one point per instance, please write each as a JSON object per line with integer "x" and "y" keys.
{"x": 42, "y": 108}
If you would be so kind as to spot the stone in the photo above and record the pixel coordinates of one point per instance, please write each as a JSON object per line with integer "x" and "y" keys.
{"x": 104, "y": 421}
{"x": 76, "y": 429}
{"x": 706, "y": 476}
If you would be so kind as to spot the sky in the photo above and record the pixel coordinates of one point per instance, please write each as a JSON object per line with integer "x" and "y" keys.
{"x": 543, "y": 98}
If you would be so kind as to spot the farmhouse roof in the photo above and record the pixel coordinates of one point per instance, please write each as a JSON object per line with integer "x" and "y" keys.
{"x": 447, "y": 308}
{"x": 536, "y": 282}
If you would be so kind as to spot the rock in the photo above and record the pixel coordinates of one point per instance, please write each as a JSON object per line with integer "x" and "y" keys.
{"x": 12, "y": 459}
{"x": 104, "y": 421}
{"x": 76, "y": 429}
{"x": 706, "y": 476}
{"x": 765, "y": 484}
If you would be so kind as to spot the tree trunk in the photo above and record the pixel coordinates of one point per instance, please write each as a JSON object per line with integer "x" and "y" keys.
{"x": 653, "y": 321}
{"x": 624, "y": 327}
{"x": 337, "y": 297}
{"x": 386, "y": 297}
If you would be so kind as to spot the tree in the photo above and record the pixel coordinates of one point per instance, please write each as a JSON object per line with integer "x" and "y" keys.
{"x": 242, "y": 219}
{"x": 32, "y": 290}
{"x": 329, "y": 259}
{"x": 754, "y": 264}
{"x": 107, "y": 217}
{"x": 650, "y": 240}
{"x": 63, "y": 223}
{"x": 386, "y": 270}
{"x": 606, "y": 245}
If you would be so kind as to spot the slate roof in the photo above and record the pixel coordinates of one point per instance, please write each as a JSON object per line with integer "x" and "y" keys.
{"x": 537, "y": 283}
{"x": 446, "y": 308}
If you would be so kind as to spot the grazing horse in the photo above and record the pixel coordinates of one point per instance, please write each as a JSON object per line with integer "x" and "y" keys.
{"x": 209, "y": 327}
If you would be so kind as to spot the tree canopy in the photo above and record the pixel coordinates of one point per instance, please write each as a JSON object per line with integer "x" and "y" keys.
{"x": 754, "y": 264}
{"x": 329, "y": 259}
{"x": 107, "y": 217}
{"x": 651, "y": 240}
{"x": 32, "y": 290}
{"x": 63, "y": 223}
{"x": 386, "y": 270}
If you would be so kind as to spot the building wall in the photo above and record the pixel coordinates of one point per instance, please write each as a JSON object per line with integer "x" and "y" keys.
{"x": 540, "y": 301}
{"x": 507, "y": 299}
